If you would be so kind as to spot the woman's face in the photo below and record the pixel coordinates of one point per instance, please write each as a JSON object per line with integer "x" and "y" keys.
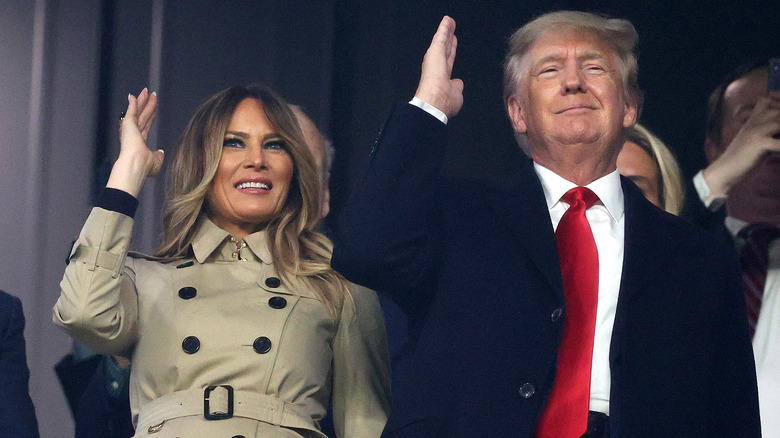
{"x": 638, "y": 166}
{"x": 254, "y": 174}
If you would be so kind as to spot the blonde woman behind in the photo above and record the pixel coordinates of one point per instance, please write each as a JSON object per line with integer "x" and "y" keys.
{"x": 237, "y": 326}
{"x": 651, "y": 165}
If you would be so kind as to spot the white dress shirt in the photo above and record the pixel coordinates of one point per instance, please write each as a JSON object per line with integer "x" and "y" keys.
{"x": 607, "y": 221}
{"x": 766, "y": 341}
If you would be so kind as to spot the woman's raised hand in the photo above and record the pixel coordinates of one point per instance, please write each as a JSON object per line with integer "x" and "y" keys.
{"x": 136, "y": 161}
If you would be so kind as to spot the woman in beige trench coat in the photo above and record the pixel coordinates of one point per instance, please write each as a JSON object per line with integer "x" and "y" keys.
{"x": 237, "y": 326}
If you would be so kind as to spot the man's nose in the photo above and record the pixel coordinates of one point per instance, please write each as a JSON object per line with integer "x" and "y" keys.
{"x": 573, "y": 80}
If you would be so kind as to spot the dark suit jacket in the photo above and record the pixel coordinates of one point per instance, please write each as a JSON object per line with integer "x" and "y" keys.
{"x": 17, "y": 414}
{"x": 476, "y": 267}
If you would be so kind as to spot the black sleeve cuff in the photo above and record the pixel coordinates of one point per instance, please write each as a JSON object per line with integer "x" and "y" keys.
{"x": 118, "y": 201}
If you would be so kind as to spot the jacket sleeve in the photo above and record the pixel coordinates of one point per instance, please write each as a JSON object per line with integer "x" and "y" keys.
{"x": 386, "y": 232}
{"x": 17, "y": 414}
{"x": 361, "y": 370}
{"x": 98, "y": 302}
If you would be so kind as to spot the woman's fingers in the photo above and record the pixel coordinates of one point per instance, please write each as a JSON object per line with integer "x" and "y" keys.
{"x": 148, "y": 113}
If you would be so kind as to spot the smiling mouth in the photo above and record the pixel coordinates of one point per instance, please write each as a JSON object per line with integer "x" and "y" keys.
{"x": 253, "y": 185}
{"x": 575, "y": 108}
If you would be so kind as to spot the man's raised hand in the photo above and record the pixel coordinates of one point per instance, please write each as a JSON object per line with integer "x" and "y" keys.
{"x": 436, "y": 86}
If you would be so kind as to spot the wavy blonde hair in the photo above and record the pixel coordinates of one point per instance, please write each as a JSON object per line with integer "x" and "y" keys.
{"x": 297, "y": 249}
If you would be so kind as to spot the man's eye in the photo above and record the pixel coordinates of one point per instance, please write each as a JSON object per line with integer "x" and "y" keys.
{"x": 232, "y": 143}
{"x": 594, "y": 69}
{"x": 548, "y": 70}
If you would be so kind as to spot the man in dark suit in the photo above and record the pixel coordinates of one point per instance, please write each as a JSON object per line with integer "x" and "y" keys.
{"x": 738, "y": 199}
{"x": 558, "y": 302}
{"x": 17, "y": 414}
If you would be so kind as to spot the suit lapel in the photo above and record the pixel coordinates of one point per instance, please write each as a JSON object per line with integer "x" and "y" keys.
{"x": 645, "y": 243}
{"x": 520, "y": 204}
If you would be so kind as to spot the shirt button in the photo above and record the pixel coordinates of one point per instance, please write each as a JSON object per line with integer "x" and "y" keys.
{"x": 527, "y": 390}
{"x": 556, "y": 315}
{"x": 262, "y": 345}
{"x": 190, "y": 344}
{"x": 273, "y": 282}
{"x": 187, "y": 293}
{"x": 277, "y": 303}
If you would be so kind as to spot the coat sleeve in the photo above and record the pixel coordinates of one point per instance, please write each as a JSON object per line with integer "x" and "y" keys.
{"x": 361, "y": 370}
{"x": 17, "y": 414}
{"x": 98, "y": 303}
{"x": 386, "y": 233}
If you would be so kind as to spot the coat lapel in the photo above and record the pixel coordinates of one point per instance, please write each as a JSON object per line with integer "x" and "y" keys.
{"x": 646, "y": 240}
{"x": 519, "y": 202}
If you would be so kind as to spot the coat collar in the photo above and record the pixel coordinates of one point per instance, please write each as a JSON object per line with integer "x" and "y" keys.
{"x": 210, "y": 239}
{"x": 520, "y": 203}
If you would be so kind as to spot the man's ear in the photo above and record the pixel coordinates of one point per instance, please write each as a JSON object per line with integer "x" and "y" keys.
{"x": 711, "y": 150}
{"x": 629, "y": 118}
{"x": 516, "y": 114}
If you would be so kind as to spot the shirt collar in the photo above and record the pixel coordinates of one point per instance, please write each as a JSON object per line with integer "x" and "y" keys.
{"x": 608, "y": 188}
{"x": 734, "y": 225}
{"x": 208, "y": 237}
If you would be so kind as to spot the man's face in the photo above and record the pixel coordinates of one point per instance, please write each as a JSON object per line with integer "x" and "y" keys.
{"x": 739, "y": 99}
{"x": 571, "y": 93}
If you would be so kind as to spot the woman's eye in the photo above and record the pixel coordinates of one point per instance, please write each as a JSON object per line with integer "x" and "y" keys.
{"x": 275, "y": 145}
{"x": 232, "y": 143}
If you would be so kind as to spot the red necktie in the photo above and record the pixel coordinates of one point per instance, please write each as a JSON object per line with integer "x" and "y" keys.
{"x": 755, "y": 260}
{"x": 566, "y": 412}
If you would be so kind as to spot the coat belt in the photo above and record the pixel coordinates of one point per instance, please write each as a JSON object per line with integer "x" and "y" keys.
{"x": 247, "y": 404}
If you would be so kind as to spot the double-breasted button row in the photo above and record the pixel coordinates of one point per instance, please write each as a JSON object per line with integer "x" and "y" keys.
{"x": 191, "y": 345}
{"x": 189, "y": 292}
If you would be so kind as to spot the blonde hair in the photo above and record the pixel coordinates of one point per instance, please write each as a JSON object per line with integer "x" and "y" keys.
{"x": 670, "y": 184}
{"x": 297, "y": 249}
{"x": 617, "y": 33}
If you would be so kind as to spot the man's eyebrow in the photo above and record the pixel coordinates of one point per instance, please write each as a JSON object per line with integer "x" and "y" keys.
{"x": 591, "y": 55}
{"x": 557, "y": 57}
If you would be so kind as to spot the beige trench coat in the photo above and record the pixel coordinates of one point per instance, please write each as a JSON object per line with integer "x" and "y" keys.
{"x": 216, "y": 320}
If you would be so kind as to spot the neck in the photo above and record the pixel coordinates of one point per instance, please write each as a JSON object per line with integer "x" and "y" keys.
{"x": 580, "y": 163}
{"x": 581, "y": 170}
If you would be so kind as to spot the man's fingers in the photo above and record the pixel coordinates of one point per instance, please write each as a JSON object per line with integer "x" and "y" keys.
{"x": 451, "y": 53}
